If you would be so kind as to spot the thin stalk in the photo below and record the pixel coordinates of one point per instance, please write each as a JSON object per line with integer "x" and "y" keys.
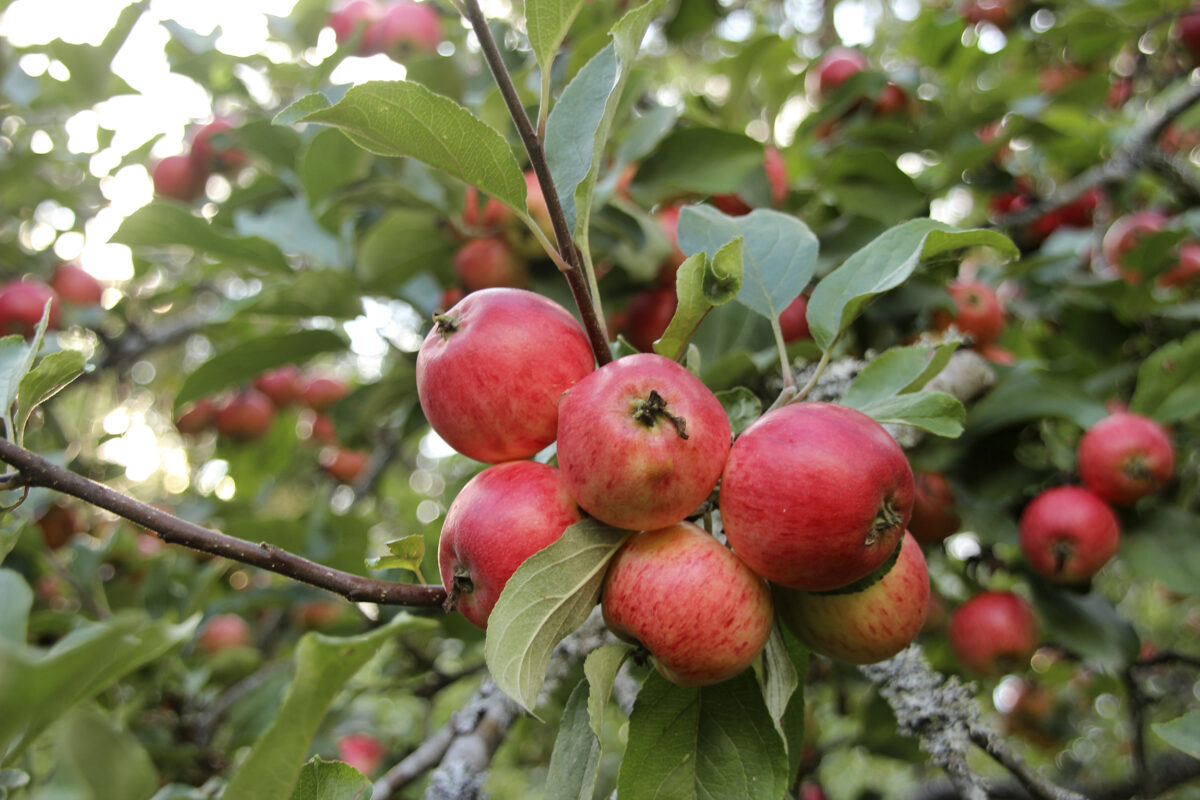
{"x": 812, "y": 382}
{"x": 781, "y": 346}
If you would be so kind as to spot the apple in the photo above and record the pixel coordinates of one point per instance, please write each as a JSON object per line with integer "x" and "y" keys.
{"x": 1067, "y": 534}
{"x": 281, "y": 385}
{"x": 535, "y": 201}
{"x": 352, "y": 16}
{"x": 776, "y": 172}
{"x": 1125, "y": 457}
{"x": 501, "y": 517}
{"x": 1186, "y": 269}
{"x": 222, "y": 632}
{"x": 22, "y": 304}
{"x": 75, "y": 285}
{"x": 993, "y": 632}
{"x": 323, "y": 429}
{"x": 1188, "y": 28}
{"x": 246, "y": 415}
{"x": 490, "y": 372}
{"x": 319, "y": 615}
{"x": 58, "y": 525}
{"x": 1080, "y": 212}
{"x": 402, "y": 27}
{"x": 866, "y": 626}
{"x": 793, "y": 320}
{"x": 892, "y": 100}
{"x": 731, "y": 204}
{"x": 197, "y": 416}
{"x": 450, "y": 296}
{"x": 703, "y": 615}
{"x": 344, "y": 464}
{"x": 641, "y": 442}
{"x": 488, "y": 263}
{"x": 668, "y": 221}
{"x": 179, "y": 178}
{"x": 320, "y": 392}
{"x": 995, "y": 12}
{"x": 997, "y": 354}
{"x": 836, "y": 67}
{"x": 493, "y": 216}
{"x": 648, "y": 315}
{"x": 933, "y": 517}
{"x": 362, "y": 751}
{"x": 1123, "y": 236}
{"x": 1119, "y": 92}
{"x": 213, "y": 150}
{"x": 816, "y": 496}
{"x": 978, "y": 312}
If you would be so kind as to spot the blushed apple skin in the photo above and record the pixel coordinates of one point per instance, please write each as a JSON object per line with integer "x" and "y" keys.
{"x": 490, "y": 374}
{"x": 978, "y": 311}
{"x": 802, "y": 491}
{"x": 636, "y": 475}
{"x": 1124, "y": 457}
{"x": 1067, "y": 534}
{"x": 933, "y": 517}
{"x": 502, "y": 516}
{"x": 700, "y": 611}
{"x": 993, "y": 631}
{"x": 868, "y": 626}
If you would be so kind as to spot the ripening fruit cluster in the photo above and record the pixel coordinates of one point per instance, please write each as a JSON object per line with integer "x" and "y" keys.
{"x": 183, "y": 176}
{"x": 814, "y": 497}
{"x": 394, "y": 29}
{"x": 23, "y": 301}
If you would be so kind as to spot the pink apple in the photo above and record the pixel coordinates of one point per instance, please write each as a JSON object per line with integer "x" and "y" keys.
{"x": 178, "y": 177}
{"x": 320, "y": 392}
{"x": 836, "y": 67}
{"x": 75, "y": 285}
{"x": 996, "y": 12}
{"x": 22, "y": 304}
{"x": 489, "y": 263}
{"x": 213, "y": 150}
{"x": 866, "y": 626}
{"x": 362, "y": 751}
{"x": 246, "y": 416}
{"x": 793, "y": 320}
{"x": 648, "y": 315}
{"x": 933, "y": 517}
{"x": 281, "y": 384}
{"x": 641, "y": 442}
{"x": 1125, "y": 233}
{"x": 1124, "y": 457}
{"x": 1186, "y": 269}
{"x": 221, "y": 633}
{"x": 892, "y": 100}
{"x": 1067, "y": 534}
{"x": 502, "y": 516}
{"x": 1189, "y": 31}
{"x": 700, "y": 611}
{"x": 978, "y": 312}
{"x": 491, "y": 371}
{"x": 344, "y": 464}
{"x": 351, "y": 17}
{"x": 816, "y": 496}
{"x": 404, "y": 26}
{"x": 197, "y": 416}
{"x": 776, "y": 169}
{"x": 493, "y": 216}
{"x": 993, "y": 632}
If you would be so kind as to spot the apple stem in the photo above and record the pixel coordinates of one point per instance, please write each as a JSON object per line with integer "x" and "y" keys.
{"x": 1061, "y": 551}
{"x": 649, "y": 410}
{"x": 885, "y": 521}
{"x": 446, "y": 324}
{"x": 1136, "y": 468}
{"x": 459, "y": 585}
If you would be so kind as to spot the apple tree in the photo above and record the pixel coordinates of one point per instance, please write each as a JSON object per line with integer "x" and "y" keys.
{"x": 600, "y": 399}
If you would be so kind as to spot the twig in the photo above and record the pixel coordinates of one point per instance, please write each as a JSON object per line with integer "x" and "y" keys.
{"x": 1137, "y": 720}
{"x": 1037, "y": 785}
{"x": 415, "y": 764}
{"x": 40, "y": 472}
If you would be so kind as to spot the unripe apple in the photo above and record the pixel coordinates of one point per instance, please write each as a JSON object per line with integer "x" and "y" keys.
{"x": 344, "y": 464}
{"x": 1067, "y": 534}
{"x": 1186, "y": 269}
{"x": 1124, "y": 457}
{"x": 648, "y": 315}
{"x": 869, "y": 625}
{"x": 197, "y": 416}
{"x": 793, "y": 320}
{"x": 22, "y": 304}
{"x": 75, "y": 285}
{"x": 402, "y": 27}
{"x": 1123, "y": 235}
{"x": 978, "y": 312}
{"x": 816, "y": 496}
{"x": 213, "y": 150}
{"x": 362, "y": 751}
{"x": 836, "y": 67}
{"x": 933, "y": 517}
{"x": 700, "y": 611}
{"x": 320, "y": 392}
{"x": 221, "y": 633}
{"x": 246, "y": 416}
{"x": 641, "y": 442}
{"x": 178, "y": 177}
{"x": 58, "y": 525}
{"x": 490, "y": 372}
{"x": 351, "y": 16}
{"x": 282, "y": 385}
{"x": 993, "y": 632}
{"x": 501, "y": 517}
{"x": 489, "y": 263}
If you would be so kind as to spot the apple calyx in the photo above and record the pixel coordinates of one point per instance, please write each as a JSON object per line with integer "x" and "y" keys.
{"x": 461, "y": 584}
{"x": 649, "y": 410}
{"x": 446, "y": 323}
{"x": 886, "y": 521}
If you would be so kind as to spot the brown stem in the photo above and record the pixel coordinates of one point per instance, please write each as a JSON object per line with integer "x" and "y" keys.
{"x": 537, "y": 159}
{"x": 356, "y": 588}
{"x": 1030, "y": 778}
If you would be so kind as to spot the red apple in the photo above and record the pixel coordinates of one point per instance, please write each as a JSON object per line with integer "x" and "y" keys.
{"x": 1188, "y": 28}
{"x": 700, "y": 611}
{"x": 978, "y": 312}
{"x": 75, "y": 285}
{"x": 836, "y": 67}
{"x": 213, "y": 150}
{"x": 641, "y": 442}
{"x": 344, "y": 464}
{"x": 22, "y": 304}
{"x": 58, "y": 525}
{"x": 866, "y": 626}
{"x": 1119, "y": 92}
{"x": 793, "y": 320}
{"x": 996, "y": 12}
{"x": 221, "y": 633}
{"x": 323, "y": 429}
{"x": 892, "y": 100}
{"x": 281, "y": 385}
{"x": 1079, "y": 212}
{"x": 352, "y": 16}
{"x": 402, "y": 27}
{"x": 997, "y": 354}
{"x": 993, "y": 632}
{"x": 1186, "y": 269}
{"x": 731, "y": 204}
{"x": 246, "y": 416}
{"x": 493, "y": 216}
{"x": 178, "y": 177}
{"x": 1124, "y": 457}
{"x": 1067, "y": 534}
{"x": 490, "y": 372}
{"x": 489, "y": 263}
{"x": 501, "y": 517}
{"x": 362, "y": 751}
{"x": 648, "y": 315}
{"x": 777, "y": 177}
{"x": 319, "y": 615}
{"x": 320, "y": 392}
{"x": 933, "y": 517}
{"x": 1124, "y": 234}
{"x": 198, "y": 416}
{"x": 535, "y": 201}
{"x": 816, "y": 496}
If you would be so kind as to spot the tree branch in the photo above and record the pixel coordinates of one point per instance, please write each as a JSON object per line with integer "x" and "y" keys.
{"x": 37, "y": 471}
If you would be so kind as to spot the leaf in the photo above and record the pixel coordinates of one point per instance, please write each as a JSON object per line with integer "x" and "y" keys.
{"x": 407, "y": 553}
{"x": 171, "y": 225}
{"x": 742, "y": 407}
{"x": 401, "y": 245}
{"x": 297, "y": 111}
{"x": 710, "y": 743}
{"x": 1024, "y": 394}
{"x": 1087, "y": 625}
{"x": 16, "y": 598}
{"x": 575, "y": 761}
{"x": 777, "y": 677}
{"x": 897, "y": 370}
{"x": 323, "y": 666}
{"x": 794, "y": 719}
{"x": 600, "y": 668}
{"x": 290, "y": 226}
{"x": 1160, "y": 548}
{"x": 401, "y": 118}
{"x": 867, "y": 183}
{"x": 885, "y": 263}
{"x": 778, "y": 256}
{"x": 1182, "y": 733}
{"x": 937, "y": 412}
{"x": 548, "y": 596}
{"x": 698, "y": 160}
{"x": 109, "y": 759}
{"x": 48, "y": 378}
{"x": 13, "y": 365}
{"x": 250, "y": 357}
{"x": 547, "y": 22}
{"x": 331, "y": 780}
{"x": 1168, "y": 383}
{"x": 700, "y": 285}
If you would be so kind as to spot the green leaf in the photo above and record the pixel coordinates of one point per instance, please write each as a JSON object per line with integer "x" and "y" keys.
{"x": 290, "y": 226}
{"x": 309, "y": 293}
{"x": 700, "y": 285}
{"x": 698, "y": 160}
{"x": 711, "y": 743}
{"x": 548, "y": 596}
{"x": 407, "y": 553}
{"x": 331, "y": 780}
{"x": 16, "y": 598}
{"x": 323, "y": 666}
{"x": 297, "y": 111}
{"x": 867, "y": 183}
{"x": 1161, "y": 548}
{"x": 600, "y": 668}
{"x": 171, "y": 225}
{"x": 742, "y": 407}
{"x": 777, "y": 677}
{"x": 575, "y": 761}
{"x": 402, "y": 244}
{"x": 1024, "y": 393}
{"x": 778, "y": 257}
{"x": 896, "y": 371}
{"x": 250, "y": 357}
{"x": 14, "y": 355}
{"x": 937, "y": 412}
{"x": 793, "y": 721}
{"x": 48, "y": 378}
{"x": 885, "y": 263}
{"x": 1168, "y": 384}
{"x": 329, "y": 162}
{"x": 1087, "y": 625}
{"x": 109, "y": 759}
{"x": 401, "y": 118}
{"x": 547, "y": 22}
{"x": 1182, "y": 733}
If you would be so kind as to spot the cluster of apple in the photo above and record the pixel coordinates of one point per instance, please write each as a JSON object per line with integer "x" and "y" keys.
{"x": 393, "y": 28}
{"x": 182, "y": 177}
{"x": 814, "y": 497}
{"x": 1076, "y": 214}
{"x": 23, "y": 301}
{"x": 979, "y": 314}
{"x": 1123, "y": 236}
{"x": 834, "y": 69}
